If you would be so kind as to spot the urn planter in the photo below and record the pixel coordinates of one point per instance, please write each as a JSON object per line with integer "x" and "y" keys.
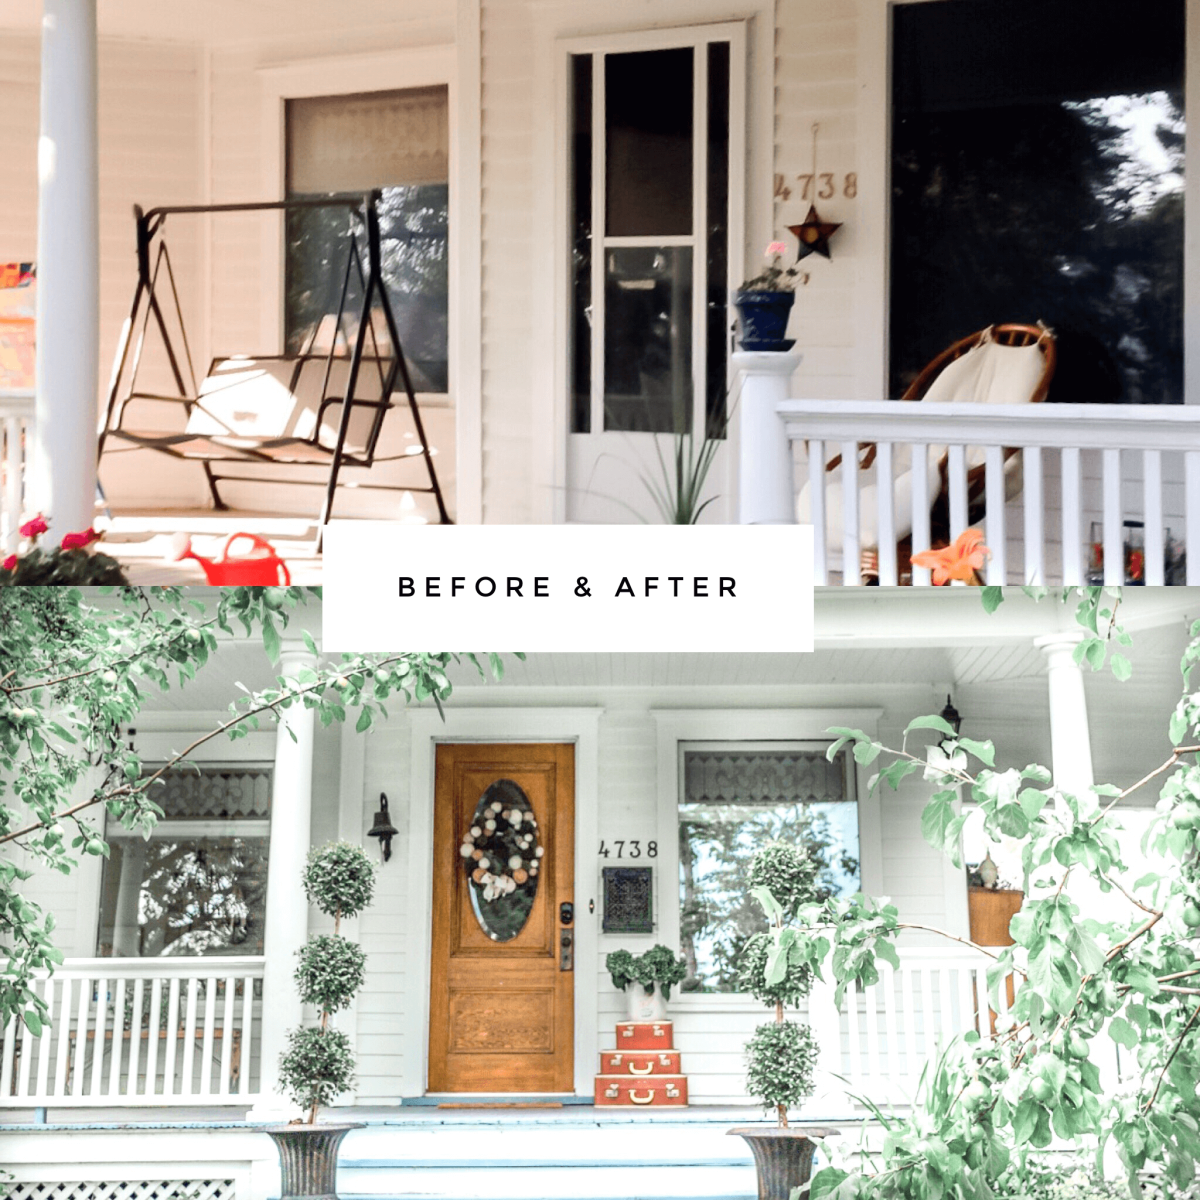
{"x": 645, "y": 1006}
{"x": 783, "y": 1158}
{"x": 308, "y": 1158}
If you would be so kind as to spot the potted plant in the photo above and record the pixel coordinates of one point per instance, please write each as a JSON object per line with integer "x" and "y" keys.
{"x": 646, "y": 979}
{"x": 764, "y": 303}
{"x": 318, "y": 1064}
{"x": 781, "y": 1054}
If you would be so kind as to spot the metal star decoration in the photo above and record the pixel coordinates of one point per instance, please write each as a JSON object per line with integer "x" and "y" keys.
{"x": 813, "y": 234}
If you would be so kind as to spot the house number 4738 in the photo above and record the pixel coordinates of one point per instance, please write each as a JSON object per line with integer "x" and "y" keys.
{"x": 630, "y": 849}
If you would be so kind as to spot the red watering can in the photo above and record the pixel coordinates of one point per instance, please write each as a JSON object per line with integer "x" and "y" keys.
{"x": 257, "y": 565}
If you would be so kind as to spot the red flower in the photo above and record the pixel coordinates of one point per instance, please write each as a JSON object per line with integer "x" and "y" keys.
{"x": 959, "y": 561}
{"x": 10, "y": 563}
{"x": 77, "y": 541}
{"x": 35, "y": 527}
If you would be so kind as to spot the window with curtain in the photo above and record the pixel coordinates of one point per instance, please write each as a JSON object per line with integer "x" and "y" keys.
{"x": 734, "y": 799}
{"x": 1037, "y": 174}
{"x": 199, "y": 884}
{"x": 348, "y": 145}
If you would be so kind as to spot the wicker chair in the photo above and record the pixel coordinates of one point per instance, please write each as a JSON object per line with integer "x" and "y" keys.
{"x": 984, "y": 377}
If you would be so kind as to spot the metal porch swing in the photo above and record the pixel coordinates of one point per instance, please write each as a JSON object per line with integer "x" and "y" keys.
{"x": 314, "y": 407}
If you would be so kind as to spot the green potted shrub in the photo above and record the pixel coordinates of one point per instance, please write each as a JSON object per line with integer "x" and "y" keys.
{"x": 318, "y": 1064}
{"x": 646, "y": 979}
{"x": 781, "y": 1054}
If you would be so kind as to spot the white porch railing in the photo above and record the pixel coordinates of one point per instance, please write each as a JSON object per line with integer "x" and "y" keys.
{"x": 140, "y": 1032}
{"x": 1082, "y": 464}
{"x": 16, "y": 445}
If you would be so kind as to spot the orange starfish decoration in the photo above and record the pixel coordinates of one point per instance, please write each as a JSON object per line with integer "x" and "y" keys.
{"x": 963, "y": 559}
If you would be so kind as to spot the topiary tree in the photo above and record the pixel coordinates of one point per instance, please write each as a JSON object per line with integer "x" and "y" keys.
{"x": 781, "y": 1054}
{"x": 318, "y": 1065}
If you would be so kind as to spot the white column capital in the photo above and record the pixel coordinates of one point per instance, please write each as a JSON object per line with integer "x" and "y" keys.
{"x": 294, "y": 657}
{"x": 766, "y": 362}
{"x": 1061, "y": 641}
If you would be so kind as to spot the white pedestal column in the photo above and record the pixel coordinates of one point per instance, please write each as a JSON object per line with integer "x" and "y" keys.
{"x": 63, "y": 484}
{"x": 1070, "y": 737}
{"x": 766, "y": 489}
{"x": 286, "y": 927}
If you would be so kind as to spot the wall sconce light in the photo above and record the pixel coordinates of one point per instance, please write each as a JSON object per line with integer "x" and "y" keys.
{"x": 952, "y": 717}
{"x": 383, "y": 829}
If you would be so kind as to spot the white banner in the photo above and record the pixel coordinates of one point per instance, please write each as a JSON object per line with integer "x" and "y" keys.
{"x": 607, "y": 588}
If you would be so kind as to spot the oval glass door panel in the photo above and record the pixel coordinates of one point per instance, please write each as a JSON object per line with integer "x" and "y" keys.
{"x": 502, "y": 853}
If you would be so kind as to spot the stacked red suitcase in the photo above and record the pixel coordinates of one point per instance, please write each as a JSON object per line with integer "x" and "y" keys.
{"x": 643, "y": 1070}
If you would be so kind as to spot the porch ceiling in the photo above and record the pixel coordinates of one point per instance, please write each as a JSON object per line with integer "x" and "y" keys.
{"x": 213, "y": 22}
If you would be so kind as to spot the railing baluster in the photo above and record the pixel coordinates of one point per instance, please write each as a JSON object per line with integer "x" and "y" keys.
{"x": 887, "y": 981}
{"x": 956, "y": 470}
{"x": 172, "y": 1037}
{"x": 64, "y": 1040}
{"x": 1191, "y": 468}
{"x": 189, "y": 1039}
{"x": 98, "y": 1042}
{"x": 1072, "y": 517}
{"x": 153, "y": 1026}
{"x": 81, "y": 1037}
{"x": 1114, "y": 548}
{"x": 1152, "y": 512}
{"x": 1035, "y": 538}
{"x": 210, "y": 1019}
{"x": 856, "y": 1074}
{"x": 871, "y": 1024}
{"x": 816, "y": 498}
{"x": 921, "y": 501}
{"x": 245, "y": 1059}
{"x": 911, "y": 1070}
{"x": 118, "y": 1041}
{"x": 851, "y": 547}
{"x": 927, "y": 1017}
{"x": 885, "y": 492}
{"x": 14, "y": 466}
{"x": 227, "y": 1035}
{"x": 10, "y": 1051}
{"x": 997, "y": 569}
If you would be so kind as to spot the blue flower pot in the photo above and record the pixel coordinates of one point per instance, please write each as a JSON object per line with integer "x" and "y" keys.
{"x": 764, "y": 318}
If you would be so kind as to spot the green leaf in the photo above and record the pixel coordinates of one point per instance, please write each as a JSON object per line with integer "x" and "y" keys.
{"x": 309, "y": 644}
{"x": 1122, "y": 668}
{"x": 992, "y": 598}
{"x": 32, "y": 1022}
{"x": 1178, "y": 727}
{"x": 866, "y": 753}
{"x": 930, "y": 722}
{"x": 984, "y": 751}
{"x": 935, "y": 821}
{"x": 1123, "y": 1033}
{"x": 1025, "y": 1120}
{"x": 272, "y": 643}
{"x": 1012, "y": 820}
{"x": 770, "y": 905}
{"x": 364, "y": 720}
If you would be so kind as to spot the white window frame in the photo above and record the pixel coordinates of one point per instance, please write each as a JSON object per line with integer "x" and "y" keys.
{"x": 780, "y": 728}
{"x": 873, "y": 233}
{"x": 457, "y": 66}
{"x": 697, "y": 39}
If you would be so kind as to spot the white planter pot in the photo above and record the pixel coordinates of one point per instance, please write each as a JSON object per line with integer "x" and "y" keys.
{"x": 643, "y": 1007}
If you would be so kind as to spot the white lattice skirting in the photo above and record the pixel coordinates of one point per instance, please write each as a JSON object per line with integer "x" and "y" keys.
{"x": 127, "y": 1189}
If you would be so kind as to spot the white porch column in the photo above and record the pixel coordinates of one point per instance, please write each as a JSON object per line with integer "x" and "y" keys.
{"x": 126, "y": 941}
{"x": 1070, "y": 738}
{"x": 286, "y": 927}
{"x": 829, "y": 1097}
{"x": 68, "y": 268}
{"x": 766, "y": 489}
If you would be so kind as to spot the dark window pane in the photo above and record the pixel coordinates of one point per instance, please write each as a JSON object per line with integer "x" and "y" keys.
{"x": 413, "y": 223}
{"x": 581, "y": 244}
{"x": 648, "y": 109}
{"x": 717, "y": 304}
{"x": 648, "y": 339}
{"x": 1038, "y": 174}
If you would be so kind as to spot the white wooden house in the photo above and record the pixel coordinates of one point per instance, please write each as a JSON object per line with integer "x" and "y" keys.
{"x": 168, "y": 1033}
{"x": 543, "y": 365}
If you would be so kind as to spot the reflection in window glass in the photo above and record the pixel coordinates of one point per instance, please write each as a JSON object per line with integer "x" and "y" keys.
{"x": 198, "y": 886}
{"x": 733, "y": 802}
{"x": 648, "y": 339}
{"x": 1037, "y": 174}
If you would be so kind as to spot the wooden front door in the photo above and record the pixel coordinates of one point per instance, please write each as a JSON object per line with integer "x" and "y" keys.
{"x": 502, "y": 1012}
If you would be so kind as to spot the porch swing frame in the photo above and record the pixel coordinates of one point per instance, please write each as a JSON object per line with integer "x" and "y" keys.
{"x": 153, "y": 259}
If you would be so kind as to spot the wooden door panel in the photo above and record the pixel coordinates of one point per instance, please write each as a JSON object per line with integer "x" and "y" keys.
{"x": 501, "y": 1012}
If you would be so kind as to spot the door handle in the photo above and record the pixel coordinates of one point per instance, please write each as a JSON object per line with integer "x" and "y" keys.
{"x": 566, "y": 944}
